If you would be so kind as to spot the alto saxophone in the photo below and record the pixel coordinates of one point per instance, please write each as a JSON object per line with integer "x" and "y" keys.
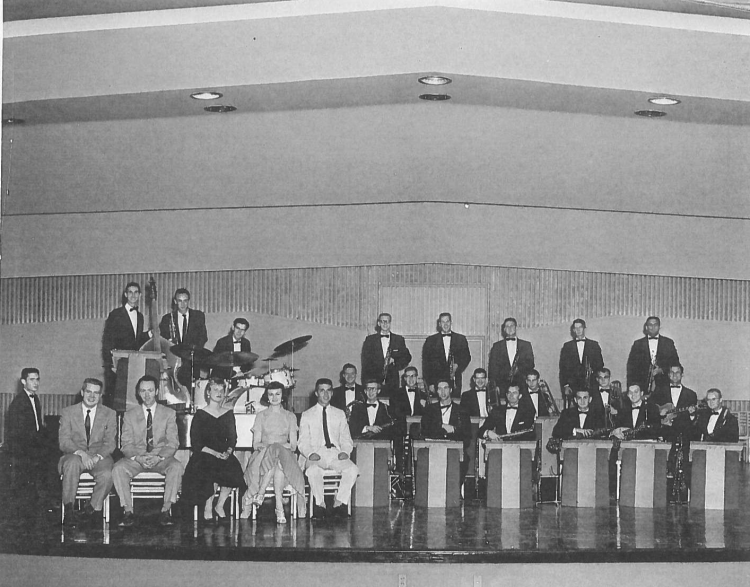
{"x": 386, "y": 364}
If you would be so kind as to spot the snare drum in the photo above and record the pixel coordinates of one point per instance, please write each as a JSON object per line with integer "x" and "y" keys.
{"x": 283, "y": 376}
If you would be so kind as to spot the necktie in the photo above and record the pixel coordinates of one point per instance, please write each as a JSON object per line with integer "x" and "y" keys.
{"x": 372, "y": 406}
{"x": 184, "y": 327}
{"x": 327, "y": 436}
{"x": 512, "y": 408}
{"x": 514, "y": 338}
{"x": 87, "y": 425}
{"x": 37, "y": 411}
{"x": 448, "y": 335}
{"x": 149, "y": 432}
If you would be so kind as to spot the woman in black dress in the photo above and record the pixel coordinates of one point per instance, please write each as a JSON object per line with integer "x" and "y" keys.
{"x": 213, "y": 436}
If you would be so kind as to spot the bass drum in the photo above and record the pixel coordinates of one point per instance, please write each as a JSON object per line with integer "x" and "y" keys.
{"x": 249, "y": 401}
{"x": 283, "y": 376}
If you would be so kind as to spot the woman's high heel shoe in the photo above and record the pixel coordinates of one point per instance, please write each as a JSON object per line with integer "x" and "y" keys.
{"x": 280, "y": 517}
{"x": 258, "y": 499}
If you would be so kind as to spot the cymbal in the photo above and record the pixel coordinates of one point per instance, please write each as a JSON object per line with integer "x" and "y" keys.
{"x": 290, "y": 346}
{"x": 190, "y": 351}
{"x": 230, "y": 359}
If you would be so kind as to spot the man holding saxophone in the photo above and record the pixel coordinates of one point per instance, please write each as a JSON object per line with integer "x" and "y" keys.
{"x": 384, "y": 354}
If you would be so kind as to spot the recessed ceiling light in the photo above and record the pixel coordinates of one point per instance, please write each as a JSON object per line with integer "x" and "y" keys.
{"x": 434, "y": 97}
{"x": 205, "y": 95}
{"x": 13, "y": 121}
{"x": 220, "y": 108}
{"x": 434, "y": 80}
{"x": 651, "y": 113}
{"x": 664, "y": 101}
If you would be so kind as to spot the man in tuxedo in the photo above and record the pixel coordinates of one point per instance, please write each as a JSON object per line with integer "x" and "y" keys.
{"x": 533, "y": 397}
{"x": 25, "y": 436}
{"x": 123, "y": 330}
{"x": 718, "y": 424}
{"x": 348, "y": 391}
{"x": 512, "y": 417}
{"x": 407, "y": 401}
{"x": 87, "y": 439}
{"x": 372, "y": 418}
{"x": 325, "y": 441}
{"x": 651, "y": 358}
{"x": 511, "y": 358}
{"x": 149, "y": 442}
{"x": 445, "y": 355}
{"x": 579, "y": 421}
{"x": 376, "y": 348}
{"x": 234, "y": 342}
{"x": 580, "y": 361}
{"x": 479, "y": 400}
{"x": 603, "y": 395}
{"x": 675, "y": 397}
{"x": 637, "y": 414}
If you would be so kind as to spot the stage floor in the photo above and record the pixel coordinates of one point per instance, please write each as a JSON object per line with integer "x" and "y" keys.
{"x": 403, "y": 533}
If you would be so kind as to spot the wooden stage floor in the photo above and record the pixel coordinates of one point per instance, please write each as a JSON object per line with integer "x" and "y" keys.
{"x": 403, "y": 533}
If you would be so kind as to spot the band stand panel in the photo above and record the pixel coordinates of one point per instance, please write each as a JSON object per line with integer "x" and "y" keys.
{"x": 372, "y": 488}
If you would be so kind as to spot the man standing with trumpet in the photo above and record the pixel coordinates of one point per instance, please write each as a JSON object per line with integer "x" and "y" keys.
{"x": 384, "y": 354}
{"x": 651, "y": 358}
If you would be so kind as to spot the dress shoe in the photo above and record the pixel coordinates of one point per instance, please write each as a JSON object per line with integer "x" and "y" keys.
{"x": 128, "y": 519}
{"x": 341, "y": 511}
{"x": 165, "y": 519}
{"x": 89, "y": 511}
{"x": 319, "y": 512}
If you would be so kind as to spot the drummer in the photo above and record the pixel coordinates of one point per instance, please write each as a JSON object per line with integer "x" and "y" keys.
{"x": 235, "y": 342}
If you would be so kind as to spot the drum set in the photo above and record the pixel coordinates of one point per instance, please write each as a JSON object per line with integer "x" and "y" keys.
{"x": 249, "y": 385}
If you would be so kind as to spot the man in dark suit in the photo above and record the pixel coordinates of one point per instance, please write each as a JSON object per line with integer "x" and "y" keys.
{"x": 349, "y": 390}
{"x": 637, "y": 414}
{"x": 511, "y": 358}
{"x": 87, "y": 439}
{"x": 407, "y": 400}
{"x": 123, "y": 330}
{"x": 579, "y": 421}
{"x": 512, "y": 417}
{"x": 235, "y": 342}
{"x": 445, "y": 355}
{"x": 184, "y": 325}
{"x": 718, "y": 424}
{"x": 651, "y": 357}
{"x": 25, "y": 436}
{"x": 533, "y": 396}
{"x": 675, "y": 397}
{"x": 372, "y": 418}
{"x": 479, "y": 401}
{"x": 604, "y": 397}
{"x": 580, "y": 361}
{"x": 149, "y": 442}
{"x": 376, "y": 348}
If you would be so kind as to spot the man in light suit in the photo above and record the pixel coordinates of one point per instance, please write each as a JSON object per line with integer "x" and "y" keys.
{"x": 87, "y": 439}
{"x": 511, "y": 358}
{"x": 326, "y": 443}
{"x": 148, "y": 449}
{"x": 376, "y": 348}
{"x": 445, "y": 355}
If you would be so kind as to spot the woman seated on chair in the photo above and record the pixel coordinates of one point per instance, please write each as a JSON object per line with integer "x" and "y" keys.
{"x": 213, "y": 437}
{"x": 274, "y": 445}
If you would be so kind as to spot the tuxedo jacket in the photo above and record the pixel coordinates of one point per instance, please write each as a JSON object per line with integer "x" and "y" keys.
{"x": 727, "y": 427}
{"x": 432, "y": 423}
{"x": 639, "y": 361}
{"x": 523, "y": 420}
{"x": 311, "y": 436}
{"x": 196, "y": 331}
{"x": 21, "y": 433}
{"x": 373, "y": 359}
{"x": 359, "y": 419}
{"x": 682, "y": 422}
{"x": 401, "y": 407}
{"x": 569, "y": 420}
{"x": 525, "y": 400}
{"x": 338, "y": 399}
{"x": 434, "y": 364}
{"x": 470, "y": 401}
{"x": 164, "y": 426}
{"x": 573, "y": 370}
{"x": 119, "y": 334}
{"x": 226, "y": 344}
{"x": 499, "y": 367}
{"x": 72, "y": 434}
{"x": 647, "y": 414}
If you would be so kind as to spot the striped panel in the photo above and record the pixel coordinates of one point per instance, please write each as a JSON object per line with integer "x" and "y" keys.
{"x": 643, "y": 475}
{"x": 509, "y": 482}
{"x": 715, "y": 479}
{"x": 350, "y": 296}
{"x": 372, "y": 488}
{"x": 438, "y": 473}
{"x": 586, "y": 473}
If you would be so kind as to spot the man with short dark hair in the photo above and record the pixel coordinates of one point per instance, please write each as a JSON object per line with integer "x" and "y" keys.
{"x": 718, "y": 424}
{"x": 651, "y": 358}
{"x": 532, "y": 395}
{"x": 639, "y": 418}
{"x": 326, "y": 443}
{"x": 479, "y": 401}
{"x": 87, "y": 439}
{"x": 511, "y": 418}
{"x": 445, "y": 355}
{"x": 673, "y": 398}
{"x": 579, "y": 421}
{"x": 234, "y": 342}
{"x": 348, "y": 391}
{"x": 149, "y": 442}
{"x": 510, "y": 359}
{"x": 380, "y": 346}
{"x": 371, "y": 419}
{"x": 25, "y": 433}
{"x": 580, "y": 361}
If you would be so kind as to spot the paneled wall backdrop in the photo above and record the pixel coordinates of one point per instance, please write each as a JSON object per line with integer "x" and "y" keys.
{"x": 56, "y": 322}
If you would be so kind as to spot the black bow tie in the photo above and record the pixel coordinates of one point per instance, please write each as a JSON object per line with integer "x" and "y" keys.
{"x": 580, "y": 340}
{"x": 582, "y": 412}
{"x": 32, "y": 395}
{"x": 653, "y": 338}
{"x": 533, "y": 392}
{"x": 409, "y": 390}
{"x": 372, "y": 405}
{"x": 448, "y": 334}
{"x": 636, "y": 407}
{"x": 716, "y": 413}
{"x": 133, "y": 309}
{"x": 350, "y": 388}
{"x": 511, "y": 408}
{"x": 514, "y": 338}
{"x": 385, "y": 336}
{"x": 675, "y": 386}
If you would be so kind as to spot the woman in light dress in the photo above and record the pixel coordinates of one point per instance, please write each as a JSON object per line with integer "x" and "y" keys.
{"x": 273, "y": 460}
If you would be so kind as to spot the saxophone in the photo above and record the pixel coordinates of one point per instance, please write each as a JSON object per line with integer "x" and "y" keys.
{"x": 386, "y": 364}
{"x": 544, "y": 389}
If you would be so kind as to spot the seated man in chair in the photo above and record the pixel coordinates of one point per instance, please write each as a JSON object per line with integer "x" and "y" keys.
{"x": 149, "y": 442}
{"x": 326, "y": 443}
{"x": 87, "y": 439}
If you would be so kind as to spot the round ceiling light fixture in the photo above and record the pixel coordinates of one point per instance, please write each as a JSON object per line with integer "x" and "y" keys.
{"x": 650, "y": 113}
{"x": 664, "y": 101}
{"x": 206, "y": 95}
{"x": 434, "y": 80}
{"x": 220, "y": 108}
{"x": 434, "y": 97}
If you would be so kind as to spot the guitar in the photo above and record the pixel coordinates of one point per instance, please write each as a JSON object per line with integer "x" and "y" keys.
{"x": 669, "y": 412}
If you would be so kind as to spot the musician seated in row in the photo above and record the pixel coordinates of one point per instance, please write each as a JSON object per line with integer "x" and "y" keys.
{"x": 348, "y": 391}
{"x": 606, "y": 396}
{"x": 537, "y": 395}
{"x": 409, "y": 400}
{"x": 479, "y": 400}
{"x": 511, "y": 418}
{"x": 677, "y": 405}
{"x": 717, "y": 424}
{"x": 638, "y": 418}
{"x": 371, "y": 419}
{"x": 580, "y": 421}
